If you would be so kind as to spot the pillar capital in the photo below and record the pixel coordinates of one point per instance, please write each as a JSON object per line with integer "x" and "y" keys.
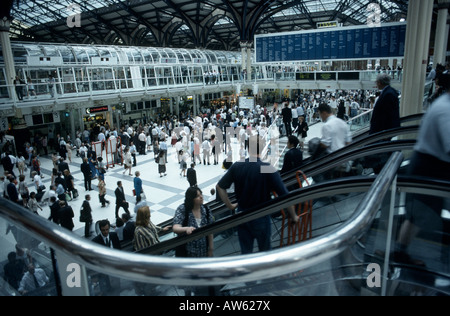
{"x": 5, "y": 24}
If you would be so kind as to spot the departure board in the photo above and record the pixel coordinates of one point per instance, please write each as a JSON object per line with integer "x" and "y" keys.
{"x": 360, "y": 42}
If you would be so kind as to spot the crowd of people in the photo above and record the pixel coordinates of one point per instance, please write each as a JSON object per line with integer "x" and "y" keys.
{"x": 191, "y": 141}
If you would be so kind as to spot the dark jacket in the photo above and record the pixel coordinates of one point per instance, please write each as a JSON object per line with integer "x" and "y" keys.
{"x": 86, "y": 170}
{"x": 191, "y": 176}
{"x": 120, "y": 196}
{"x": 86, "y": 212}
{"x": 66, "y": 216}
{"x": 386, "y": 113}
{"x": 287, "y": 114}
{"x": 113, "y": 238}
{"x": 54, "y": 212}
{"x": 128, "y": 231}
{"x": 293, "y": 160}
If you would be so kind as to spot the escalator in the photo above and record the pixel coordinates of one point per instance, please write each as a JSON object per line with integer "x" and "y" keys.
{"x": 359, "y": 149}
{"x": 333, "y": 262}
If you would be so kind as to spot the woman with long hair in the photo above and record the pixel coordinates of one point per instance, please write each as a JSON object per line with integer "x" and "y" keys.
{"x": 146, "y": 233}
{"x": 192, "y": 215}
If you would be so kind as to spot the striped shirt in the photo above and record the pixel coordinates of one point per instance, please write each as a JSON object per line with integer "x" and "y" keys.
{"x": 145, "y": 237}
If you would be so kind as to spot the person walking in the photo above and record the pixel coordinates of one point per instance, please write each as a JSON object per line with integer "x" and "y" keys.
{"x": 138, "y": 185}
{"x": 128, "y": 163}
{"x": 86, "y": 216}
{"x": 102, "y": 192}
{"x": 161, "y": 161}
{"x": 120, "y": 199}
{"x": 87, "y": 174}
{"x": 287, "y": 119}
{"x": 192, "y": 176}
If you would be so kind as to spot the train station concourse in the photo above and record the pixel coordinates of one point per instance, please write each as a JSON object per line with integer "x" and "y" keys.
{"x": 224, "y": 148}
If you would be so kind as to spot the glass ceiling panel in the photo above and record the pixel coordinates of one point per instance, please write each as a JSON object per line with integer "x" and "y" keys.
{"x": 37, "y": 12}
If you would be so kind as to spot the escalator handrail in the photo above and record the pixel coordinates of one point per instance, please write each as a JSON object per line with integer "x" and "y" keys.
{"x": 208, "y": 271}
{"x": 362, "y": 142}
{"x": 364, "y": 132}
{"x": 317, "y": 191}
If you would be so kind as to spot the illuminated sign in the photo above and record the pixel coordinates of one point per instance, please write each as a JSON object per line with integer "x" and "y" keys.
{"x": 97, "y": 109}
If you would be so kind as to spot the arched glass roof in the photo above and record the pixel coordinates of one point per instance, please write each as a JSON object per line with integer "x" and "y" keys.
{"x": 212, "y": 24}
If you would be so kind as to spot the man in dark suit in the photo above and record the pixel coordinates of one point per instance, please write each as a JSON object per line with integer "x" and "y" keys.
{"x": 107, "y": 238}
{"x": 120, "y": 199}
{"x": 11, "y": 188}
{"x": 130, "y": 227}
{"x": 63, "y": 165}
{"x": 386, "y": 113}
{"x": 66, "y": 215}
{"x": 293, "y": 159}
{"x": 54, "y": 210}
{"x": 287, "y": 119}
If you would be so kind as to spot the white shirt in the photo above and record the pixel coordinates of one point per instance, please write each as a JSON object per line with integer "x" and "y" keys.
{"x": 27, "y": 282}
{"x": 101, "y": 137}
{"x": 335, "y": 134}
{"x": 434, "y": 137}
{"x": 37, "y": 178}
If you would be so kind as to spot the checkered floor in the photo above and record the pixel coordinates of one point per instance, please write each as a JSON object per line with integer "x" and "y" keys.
{"x": 164, "y": 195}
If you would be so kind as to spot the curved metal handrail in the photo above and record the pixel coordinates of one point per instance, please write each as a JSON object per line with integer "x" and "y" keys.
{"x": 208, "y": 271}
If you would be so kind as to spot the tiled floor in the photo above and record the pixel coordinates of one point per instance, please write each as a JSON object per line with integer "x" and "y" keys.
{"x": 164, "y": 195}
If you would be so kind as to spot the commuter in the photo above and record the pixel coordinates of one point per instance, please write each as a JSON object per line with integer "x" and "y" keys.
{"x": 206, "y": 147}
{"x": 33, "y": 205}
{"x": 192, "y": 175}
{"x": 354, "y": 108}
{"x": 189, "y": 216}
{"x": 302, "y": 132}
{"x": 215, "y": 144}
{"x": 86, "y": 216}
{"x": 87, "y": 174}
{"x": 11, "y": 190}
{"x": 253, "y": 187}
{"x": 287, "y": 119}
{"x": 54, "y": 210}
{"x": 386, "y": 112}
{"x": 138, "y": 185}
{"x": 133, "y": 152}
{"x": 32, "y": 280}
{"x": 14, "y": 270}
{"x": 183, "y": 163}
{"x": 106, "y": 237}
{"x": 102, "y": 192}
{"x": 161, "y": 161}
{"x": 51, "y": 85}
{"x": 66, "y": 215}
{"x": 129, "y": 227}
{"x": 431, "y": 159}
{"x": 31, "y": 89}
{"x": 335, "y": 132}
{"x": 293, "y": 159}
{"x": 120, "y": 199}
{"x": 73, "y": 193}
{"x": 146, "y": 233}
{"x": 19, "y": 84}
{"x": 128, "y": 164}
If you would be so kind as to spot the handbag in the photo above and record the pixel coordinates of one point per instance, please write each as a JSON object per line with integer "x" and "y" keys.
{"x": 134, "y": 192}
